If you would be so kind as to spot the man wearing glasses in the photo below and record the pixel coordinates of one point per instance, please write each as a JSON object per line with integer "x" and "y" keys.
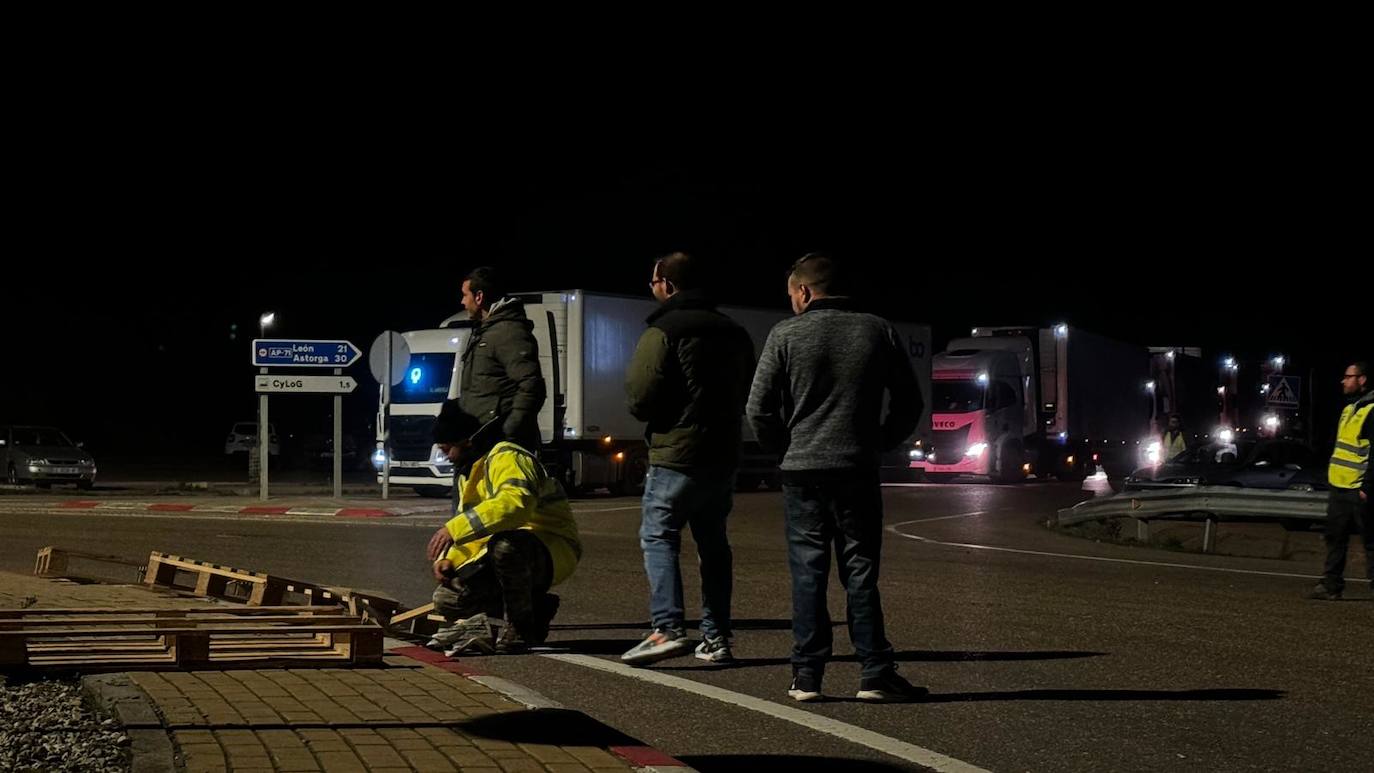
{"x": 1347, "y": 509}
{"x": 688, "y": 381}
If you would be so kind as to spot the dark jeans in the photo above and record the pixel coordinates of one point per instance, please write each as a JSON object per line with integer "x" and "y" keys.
{"x": 1345, "y": 513}
{"x": 505, "y": 582}
{"x": 846, "y": 512}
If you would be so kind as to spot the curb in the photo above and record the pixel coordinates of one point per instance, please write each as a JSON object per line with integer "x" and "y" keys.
{"x": 149, "y": 744}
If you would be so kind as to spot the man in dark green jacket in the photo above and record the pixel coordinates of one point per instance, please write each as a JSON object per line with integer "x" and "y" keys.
{"x": 501, "y": 375}
{"x": 688, "y": 381}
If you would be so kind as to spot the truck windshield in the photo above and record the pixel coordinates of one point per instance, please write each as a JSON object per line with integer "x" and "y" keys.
{"x": 956, "y": 396}
{"x": 426, "y": 379}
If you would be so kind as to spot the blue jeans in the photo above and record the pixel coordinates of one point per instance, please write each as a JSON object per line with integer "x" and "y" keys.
{"x": 672, "y": 500}
{"x": 846, "y": 512}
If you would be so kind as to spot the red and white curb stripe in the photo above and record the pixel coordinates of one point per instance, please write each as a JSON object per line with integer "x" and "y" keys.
{"x": 644, "y": 758}
{"x": 173, "y": 507}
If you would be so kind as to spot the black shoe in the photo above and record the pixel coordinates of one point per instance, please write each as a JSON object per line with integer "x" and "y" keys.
{"x": 1323, "y": 593}
{"x": 806, "y": 687}
{"x": 889, "y": 688}
{"x": 544, "y": 611}
{"x": 510, "y": 642}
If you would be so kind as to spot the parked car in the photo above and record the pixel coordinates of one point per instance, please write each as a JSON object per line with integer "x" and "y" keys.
{"x": 44, "y": 456}
{"x": 1278, "y": 464}
{"x": 319, "y": 451}
{"x": 244, "y": 436}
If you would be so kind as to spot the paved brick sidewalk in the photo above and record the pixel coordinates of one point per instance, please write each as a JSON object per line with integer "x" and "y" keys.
{"x": 407, "y": 716}
{"x": 420, "y": 712}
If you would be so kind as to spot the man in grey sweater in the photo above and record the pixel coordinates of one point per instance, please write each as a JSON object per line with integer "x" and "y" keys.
{"x": 818, "y": 396}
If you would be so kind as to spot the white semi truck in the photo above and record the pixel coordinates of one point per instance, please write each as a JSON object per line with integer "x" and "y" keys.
{"x": 589, "y": 439}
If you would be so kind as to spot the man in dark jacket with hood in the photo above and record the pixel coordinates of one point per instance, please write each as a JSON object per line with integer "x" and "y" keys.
{"x": 501, "y": 376}
{"x": 688, "y": 380}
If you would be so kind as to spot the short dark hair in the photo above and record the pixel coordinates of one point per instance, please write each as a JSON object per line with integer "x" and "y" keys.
{"x": 818, "y": 271}
{"x": 680, "y": 269}
{"x": 1362, "y": 367}
{"x": 454, "y": 425}
{"x": 488, "y": 281}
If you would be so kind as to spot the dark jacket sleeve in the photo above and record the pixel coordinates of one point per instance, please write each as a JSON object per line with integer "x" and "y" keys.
{"x": 518, "y": 354}
{"x": 904, "y": 395}
{"x": 746, "y": 364}
{"x": 644, "y": 377}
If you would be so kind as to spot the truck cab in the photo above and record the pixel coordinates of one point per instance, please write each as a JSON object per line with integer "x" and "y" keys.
{"x": 977, "y": 414}
{"x": 431, "y": 378}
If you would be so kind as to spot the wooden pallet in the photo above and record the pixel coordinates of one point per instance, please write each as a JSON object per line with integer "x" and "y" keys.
{"x": 225, "y": 582}
{"x": 94, "y": 639}
{"x": 213, "y": 579}
{"x": 56, "y": 562}
{"x": 367, "y": 606}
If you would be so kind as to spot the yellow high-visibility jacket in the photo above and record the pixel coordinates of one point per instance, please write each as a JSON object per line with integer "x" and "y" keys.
{"x": 508, "y": 489}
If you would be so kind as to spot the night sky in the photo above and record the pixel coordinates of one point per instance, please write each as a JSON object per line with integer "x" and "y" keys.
{"x": 1163, "y": 224}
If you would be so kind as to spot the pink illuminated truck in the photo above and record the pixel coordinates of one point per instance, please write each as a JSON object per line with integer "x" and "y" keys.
{"x": 1010, "y": 402}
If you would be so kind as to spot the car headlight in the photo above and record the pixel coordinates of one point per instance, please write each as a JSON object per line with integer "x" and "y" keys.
{"x": 38, "y": 461}
{"x": 917, "y": 454}
{"x": 976, "y": 450}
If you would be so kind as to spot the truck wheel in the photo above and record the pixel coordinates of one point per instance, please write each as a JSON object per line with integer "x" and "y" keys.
{"x": 1009, "y": 466}
{"x": 632, "y": 478}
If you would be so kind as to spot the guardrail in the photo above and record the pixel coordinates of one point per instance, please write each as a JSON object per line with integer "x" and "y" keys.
{"x": 1209, "y": 504}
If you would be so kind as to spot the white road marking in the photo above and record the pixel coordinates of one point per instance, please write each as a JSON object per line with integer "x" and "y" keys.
{"x": 1104, "y": 559}
{"x": 822, "y": 724}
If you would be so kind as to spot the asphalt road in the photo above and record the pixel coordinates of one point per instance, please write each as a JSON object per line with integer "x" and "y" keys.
{"x": 1042, "y": 651}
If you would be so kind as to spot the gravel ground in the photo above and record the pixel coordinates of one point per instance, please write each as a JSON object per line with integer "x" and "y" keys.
{"x": 45, "y": 726}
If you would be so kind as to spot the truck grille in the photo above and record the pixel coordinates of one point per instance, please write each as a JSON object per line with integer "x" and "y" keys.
{"x": 412, "y": 438}
{"x": 949, "y": 445}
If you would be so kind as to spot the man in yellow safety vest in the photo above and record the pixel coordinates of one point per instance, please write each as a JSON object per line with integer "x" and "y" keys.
{"x": 1348, "y": 509}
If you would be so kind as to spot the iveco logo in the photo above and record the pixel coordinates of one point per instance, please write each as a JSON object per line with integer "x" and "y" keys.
{"x": 943, "y": 424}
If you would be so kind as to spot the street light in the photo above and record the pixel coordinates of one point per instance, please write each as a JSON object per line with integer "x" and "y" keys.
{"x": 265, "y": 321}
{"x": 1150, "y": 387}
{"x": 1278, "y": 361}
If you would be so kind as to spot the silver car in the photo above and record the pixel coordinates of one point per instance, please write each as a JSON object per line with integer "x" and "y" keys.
{"x": 44, "y": 456}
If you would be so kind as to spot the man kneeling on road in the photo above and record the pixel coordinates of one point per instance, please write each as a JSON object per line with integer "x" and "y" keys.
{"x": 512, "y": 537}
